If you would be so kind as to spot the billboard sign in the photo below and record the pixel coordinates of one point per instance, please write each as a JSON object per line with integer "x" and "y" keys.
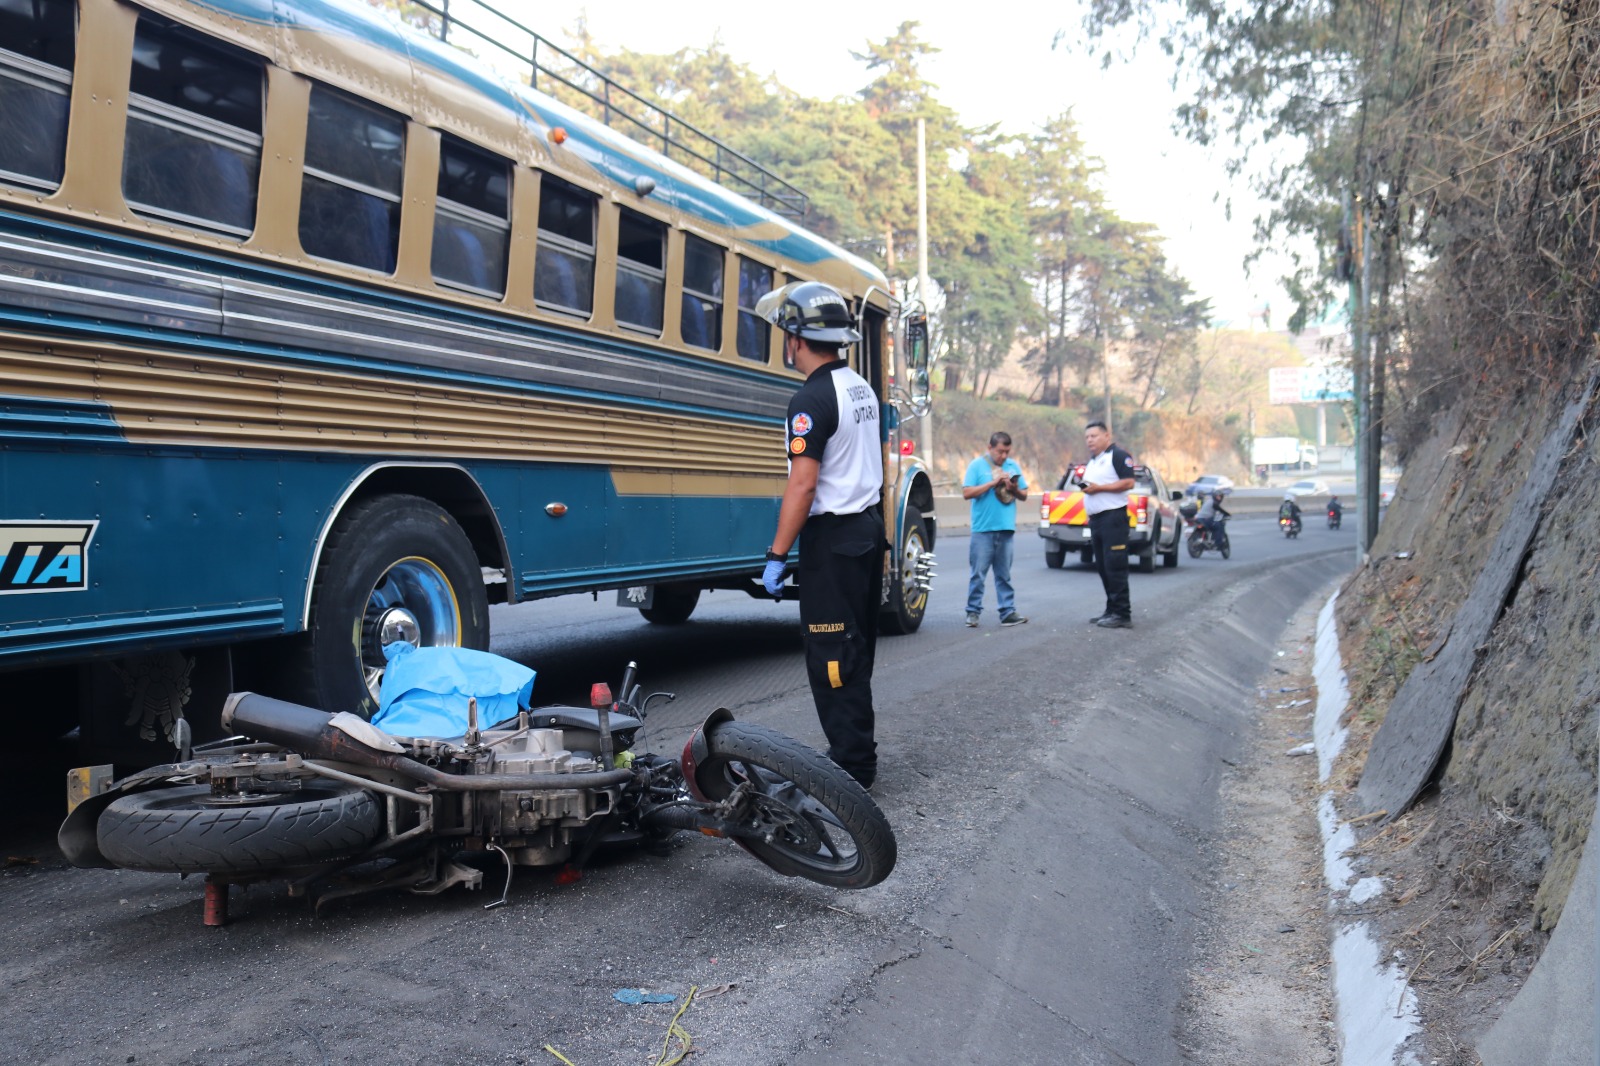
{"x": 1329, "y": 383}
{"x": 1283, "y": 384}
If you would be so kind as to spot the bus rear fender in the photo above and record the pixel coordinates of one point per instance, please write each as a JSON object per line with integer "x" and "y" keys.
{"x": 451, "y": 487}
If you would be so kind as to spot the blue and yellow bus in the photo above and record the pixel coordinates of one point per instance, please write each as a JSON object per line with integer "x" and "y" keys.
{"x": 316, "y": 333}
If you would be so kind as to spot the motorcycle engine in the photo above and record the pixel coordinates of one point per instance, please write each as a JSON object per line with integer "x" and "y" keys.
{"x": 544, "y": 817}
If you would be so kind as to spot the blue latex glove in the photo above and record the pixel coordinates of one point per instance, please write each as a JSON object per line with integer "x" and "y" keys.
{"x": 772, "y": 577}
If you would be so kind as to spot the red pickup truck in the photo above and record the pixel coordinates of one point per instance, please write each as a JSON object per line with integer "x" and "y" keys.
{"x": 1154, "y": 526}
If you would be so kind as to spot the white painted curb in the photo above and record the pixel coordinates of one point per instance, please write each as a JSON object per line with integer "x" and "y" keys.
{"x": 1375, "y": 1008}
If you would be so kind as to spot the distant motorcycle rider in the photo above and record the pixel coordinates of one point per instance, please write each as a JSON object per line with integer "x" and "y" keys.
{"x": 1335, "y": 508}
{"x": 1212, "y": 517}
{"x": 1289, "y": 508}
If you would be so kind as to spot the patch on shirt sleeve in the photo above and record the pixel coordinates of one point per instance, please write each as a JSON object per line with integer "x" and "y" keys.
{"x": 797, "y": 446}
{"x": 800, "y": 424}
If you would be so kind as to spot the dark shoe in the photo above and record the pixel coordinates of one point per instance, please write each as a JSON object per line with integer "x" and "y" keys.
{"x": 972, "y": 619}
{"x": 1114, "y": 621}
{"x": 865, "y": 780}
{"x": 1012, "y": 619}
{"x": 1097, "y": 619}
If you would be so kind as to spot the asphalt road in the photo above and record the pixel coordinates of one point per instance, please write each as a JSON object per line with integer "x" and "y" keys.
{"x": 1052, "y": 789}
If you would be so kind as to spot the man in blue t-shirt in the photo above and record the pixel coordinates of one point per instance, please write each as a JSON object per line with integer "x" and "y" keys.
{"x": 994, "y": 483}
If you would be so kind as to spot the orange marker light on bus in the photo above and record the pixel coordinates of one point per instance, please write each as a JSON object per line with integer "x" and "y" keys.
{"x": 558, "y": 134}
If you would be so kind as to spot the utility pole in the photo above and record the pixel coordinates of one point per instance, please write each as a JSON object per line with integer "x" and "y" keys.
{"x": 922, "y": 284}
{"x": 1369, "y": 485}
{"x": 1105, "y": 376}
{"x": 1355, "y": 275}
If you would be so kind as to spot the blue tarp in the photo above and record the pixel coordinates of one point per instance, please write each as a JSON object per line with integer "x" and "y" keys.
{"x": 425, "y": 690}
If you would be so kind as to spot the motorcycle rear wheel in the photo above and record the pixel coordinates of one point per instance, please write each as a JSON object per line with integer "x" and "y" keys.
{"x": 1197, "y": 547}
{"x": 824, "y": 826}
{"x": 191, "y": 830}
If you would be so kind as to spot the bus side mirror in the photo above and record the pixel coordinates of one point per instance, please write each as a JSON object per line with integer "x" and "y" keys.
{"x": 917, "y": 356}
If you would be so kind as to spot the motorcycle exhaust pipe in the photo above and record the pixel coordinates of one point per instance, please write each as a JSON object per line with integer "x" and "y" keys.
{"x": 309, "y": 731}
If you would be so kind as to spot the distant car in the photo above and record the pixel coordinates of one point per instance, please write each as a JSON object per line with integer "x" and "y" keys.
{"x": 1206, "y": 484}
{"x": 1309, "y": 488}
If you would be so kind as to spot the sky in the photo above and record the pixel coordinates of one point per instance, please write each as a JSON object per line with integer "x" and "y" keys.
{"x": 994, "y": 67}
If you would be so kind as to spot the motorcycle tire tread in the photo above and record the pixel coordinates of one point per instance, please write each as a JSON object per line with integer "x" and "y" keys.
{"x": 821, "y": 779}
{"x": 168, "y": 830}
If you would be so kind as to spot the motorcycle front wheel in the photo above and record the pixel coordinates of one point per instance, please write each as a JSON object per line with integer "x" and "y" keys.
{"x": 819, "y": 823}
{"x": 191, "y": 829}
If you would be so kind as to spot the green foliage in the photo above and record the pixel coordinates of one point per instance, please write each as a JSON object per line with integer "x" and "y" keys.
{"x": 1463, "y": 133}
{"x": 1022, "y": 245}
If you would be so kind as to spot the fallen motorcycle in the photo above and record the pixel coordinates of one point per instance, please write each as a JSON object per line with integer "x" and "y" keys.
{"x": 335, "y": 806}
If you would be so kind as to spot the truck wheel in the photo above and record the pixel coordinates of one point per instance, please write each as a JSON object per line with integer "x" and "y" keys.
{"x": 1055, "y": 554}
{"x": 1147, "y": 558}
{"x": 394, "y": 568}
{"x": 908, "y": 601}
{"x": 671, "y": 605}
{"x": 1170, "y": 559}
{"x": 190, "y": 829}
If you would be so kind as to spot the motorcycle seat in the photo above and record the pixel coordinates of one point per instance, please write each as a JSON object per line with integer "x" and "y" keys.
{"x": 580, "y": 726}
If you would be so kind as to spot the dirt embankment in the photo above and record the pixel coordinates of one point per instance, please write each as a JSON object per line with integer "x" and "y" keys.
{"x": 1480, "y": 867}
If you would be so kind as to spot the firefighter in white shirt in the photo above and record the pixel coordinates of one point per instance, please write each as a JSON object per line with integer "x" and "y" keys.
{"x": 1106, "y": 480}
{"x": 831, "y": 505}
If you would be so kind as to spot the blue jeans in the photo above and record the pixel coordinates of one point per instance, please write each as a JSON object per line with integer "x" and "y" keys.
{"x": 985, "y": 551}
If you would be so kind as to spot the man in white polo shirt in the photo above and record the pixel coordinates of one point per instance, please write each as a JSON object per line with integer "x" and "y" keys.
{"x": 1106, "y": 480}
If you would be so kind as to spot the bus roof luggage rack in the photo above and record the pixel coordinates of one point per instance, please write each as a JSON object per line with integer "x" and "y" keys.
{"x": 619, "y": 107}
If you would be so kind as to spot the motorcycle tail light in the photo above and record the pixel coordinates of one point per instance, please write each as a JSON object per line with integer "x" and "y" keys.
{"x": 600, "y": 695}
{"x": 907, "y": 446}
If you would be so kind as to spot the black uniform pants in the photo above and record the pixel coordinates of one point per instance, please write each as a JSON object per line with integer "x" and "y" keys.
{"x": 1108, "y": 533}
{"x": 841, "y": 589}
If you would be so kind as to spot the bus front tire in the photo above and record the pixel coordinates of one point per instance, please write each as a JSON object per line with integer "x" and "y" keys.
{"x": 908, "y": 602}
{"x": 394, "y": 567}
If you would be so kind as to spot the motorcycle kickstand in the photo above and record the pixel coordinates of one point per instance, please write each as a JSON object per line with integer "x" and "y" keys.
{"x": 506, "y": 891}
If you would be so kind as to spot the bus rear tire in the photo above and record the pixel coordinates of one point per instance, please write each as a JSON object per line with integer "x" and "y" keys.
{"x": 671, "y": 605}
{"x": 394, "y": 567}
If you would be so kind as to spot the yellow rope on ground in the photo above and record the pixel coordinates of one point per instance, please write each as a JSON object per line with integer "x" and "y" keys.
{"x": 673, "y": 1030}
{"x": 676, "y": 1030}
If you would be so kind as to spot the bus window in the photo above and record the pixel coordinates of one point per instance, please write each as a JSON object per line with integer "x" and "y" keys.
{"x": 350, "y": 200}
{"x": 755, "y": 281}
{"x": 35, "y": 87}
{"x": 194, "y": 131}
{"x": 472, "y": 222}
{"x": 702, "y": 293}
{"x": 641, "y": 271}
{"x": 563, "y": 266}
